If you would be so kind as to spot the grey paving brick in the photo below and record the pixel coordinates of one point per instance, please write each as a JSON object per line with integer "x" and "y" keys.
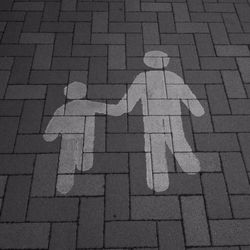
{"x": 80, "y": 76}
{"x": 141, "y": 17}
{"x": 21, "y": 70}
{"x": 152, "y": 7}
{"x": 34, "y": 143}
{"x": 12, "y": 16}
{"x": 6, "y": 63}
{"x": 51, "y": 11}
{"x": 169, "y": 230}
{"x": 12, "y": 32}
{"x": 26, "y": 92}
{"x": 37, "y": 38}
{"x": 189, "y": 57}
{"x": 117, "y": 197}
{"x": 206, "y": 17}
{"x": 63, "y": 236}
{"x": 24, "y": 235}
{"x": 92, "y": 6}
{"x": 3, "y": 180}
{"x": 44, "y": 178}
{"x": 219, "y": 33}
{"x": 166, "y": 23}
{"x": 100, "y": 22}
{"x": 16, "y": 199}
{"x": 235, "y": 173}
{"x": 217, "y": 142}
{"x": 204, "y": 45}
{"x": 57, "y": 27}
{"x": 171, "y": 50}
{"x": 107, "y": 38}
{"x": 192, "y": 27}
{"x": 10, "y": 108}
{"x": 68, "y": 5}
{"x": 232, "y": 22}
{"x": 244, "y": 64}
{"x": 155, "y": 208}
{"x": 4, "y": 78}
{"x": 232, "y": 50}
{"x": 63, "y": 44}
{"x": 233, "y": 84}
{"x": 89, "y": 50}
{"x": 216, "y": 197}
{"x": 43, "y": 57}
{"x": 16, "y": 164}
{"x": 234, "y": 123}
{"x": 6, "y": 5}
{"x": 150, "y": 33}
{"x": 239, "y": 38}
{"x": 181, "y": 13}
{"x": 32, "y": 22}
{"x": 16, "y": 50}
{"x": 195, "y": 222}
{"x": 56, "y": 209}
{"x": 232, "y": 232}
{"x": 130, "y": 234}
{"x": 177, "y": 39}
{"x": 218, "y": 63}
{"x": 243, "y": 10}
{"x": 240, "y": 106}
{"x": 125, "y": 27}
{"x": 116, "y": 57}
{"x": 116, "y": 12}
{"x": 132, "y": 6}
{"x": 98, "y": 65}
{"x": 244, "y": 143}
{"x": 49, "y": 77}
{"x": 134, "y": 45}
{"x": 117, "y": 124}
{"x": 28, "y": 6}
{"x": 8, "y": 131}
{"x": 75, "y": 16}
{"x": 241, "y": 206}
{"x": 70, "y": 63}
{"x": 217, "y": 99}
{"x": 106, "y": 91}
{"x": 219, "y": 7}
{"x": 82, "y": 33}
{"x": 90, "y": 230}
{"x": 202, "y": 77}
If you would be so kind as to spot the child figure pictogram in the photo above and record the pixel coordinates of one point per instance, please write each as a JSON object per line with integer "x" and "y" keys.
{"x": 161, "y": 93}
{"x": 75, "y": 122}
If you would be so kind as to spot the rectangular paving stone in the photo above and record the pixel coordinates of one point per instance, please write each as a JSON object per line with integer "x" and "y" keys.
{"x": 8, "y": 131}
{"x": 12, "y": 16}
{"x": 243, "y": 10}
{"x": 106, "y": 38}
{"x": 217, "y": 63}
{"x": 245, "y": 143}
{"x": 239, "y": 38}
{"x": 117, "y": 197}
{"x": 189, "y": 57}
{"x": 232, "y": 50}
{"x": 4, "y": 78}
{"x": 34, "y": 143}
{"x": 16, "y": 199}
{"x": 216, "y": 197}
{"x": 51, "y": 11}
{"x": 97, "y": 70}
{"x": 244, "y": 64}
{"x": 155, "y": 208}
{"x": 75, "y": 16}
{"x": 233, "y": 84}
{"x": 10, "y": 108}
{"x": 82, "y": 33}
{"x": 116, "y": 12}
{"x": 91, "y": 224}
{"x": 68, "y": 5}
{"x": 130, "y": 234}
{"x": 181, "y": 13}
{"x": 232, "y": 22}
{"x": 150, "y": 33}
{"x": 124, "y": 27}
{"x": 169, "y": 230}
{"x": 32, "y": 22}
{"x": 195, "y": 221}
{"x": 240, "y": 106}
{"x": 217, "y": 99}
{"x": 31, "y": 116}
{"x": 141, "y": 17}
{"x": 24, "y": 235}
{"x": 63, "y": 236}
{"x": 206, "y": 17}
{"x": 28, "y": 6}
{"x": 52, "y": 209}
{"x": 107, "y": 91}
{"x": 92, "y": 6}
{"x": 202, "y": 77}
{"x": 217, "y": 142}
{"x": 100, "y": 22}
{"x": 176, "y": 39}
{"x": 234, "y": 123}
{"x": 116, "y": 57}
{"x": 21, "y": 70}
{"x": 44, "y": 178}
{"x": 235, "y": 173}
{"x": 26, "y": 92}
{"x": 49, "y": 77}
{"x": 70, "y": 63}
{"x": 192, "y": 27}
{"x": 204, "y": 45}
{"x": 134, "y": 45}
{"x": 16, "y": 164}
{"x": 195, "y": 5}
{"x": 63, "y": 44}
{"x": 12, "y": 32}
{"x": 90, "y": 50}
{"x": 6, "y": 63}
{"x": 37, "y": 38}
{"x": 219, "y": 7}
{"x": 230, "y": 232}
{"x": 3, "y": 181}
{"x": 240, "y": 206}
{"x": 132, "y": 6}
{"x": 57, "y": 27}
{"x": 219, "y": 33}
{"x": 154, "y": 7}
{"x": 166, "y": 22}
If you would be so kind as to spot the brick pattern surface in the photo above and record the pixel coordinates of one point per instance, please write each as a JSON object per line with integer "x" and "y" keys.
{"x": 44, "y": 45}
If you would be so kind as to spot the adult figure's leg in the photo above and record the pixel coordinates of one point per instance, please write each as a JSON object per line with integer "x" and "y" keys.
{"x": 69, "y": 160}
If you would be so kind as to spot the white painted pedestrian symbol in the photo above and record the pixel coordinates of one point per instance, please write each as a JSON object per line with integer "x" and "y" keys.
{"x": 75, "y": 121}
{"x": 161, "y": 93}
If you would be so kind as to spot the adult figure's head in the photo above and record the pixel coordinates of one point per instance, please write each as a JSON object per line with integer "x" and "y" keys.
{"x": 156, "y": 59}
{"x": 75, "y": 91}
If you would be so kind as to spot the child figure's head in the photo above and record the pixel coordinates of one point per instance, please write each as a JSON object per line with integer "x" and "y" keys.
{"x": 156, "y": 59}
{"x": 75, "y": 91}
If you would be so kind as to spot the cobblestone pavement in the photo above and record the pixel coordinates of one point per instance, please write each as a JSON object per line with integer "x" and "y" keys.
{"x": 46, "y": 44}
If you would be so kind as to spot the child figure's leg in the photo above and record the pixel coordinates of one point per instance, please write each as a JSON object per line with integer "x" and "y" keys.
{"x": 192, "y": 166}
{"x": 89, "y": 140}
{"x": 70, "y": 159}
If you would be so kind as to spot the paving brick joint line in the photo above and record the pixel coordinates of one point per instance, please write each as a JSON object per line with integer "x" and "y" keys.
{"x": 47, "y": 44}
